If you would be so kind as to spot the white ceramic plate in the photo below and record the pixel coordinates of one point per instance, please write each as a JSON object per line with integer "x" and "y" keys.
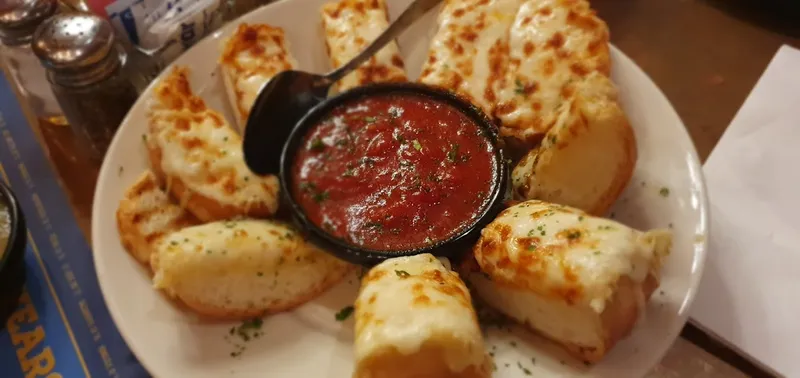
{"x": 309, "y": 342}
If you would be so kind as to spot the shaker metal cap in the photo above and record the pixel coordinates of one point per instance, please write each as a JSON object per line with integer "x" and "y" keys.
{"x": 73, "y": 41}
{"x": 19, "y": 18}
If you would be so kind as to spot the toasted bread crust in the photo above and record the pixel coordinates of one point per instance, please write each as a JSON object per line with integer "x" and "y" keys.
{"x": 202, "y": 207}
{"x": 587, "y": 159}
{"x": 135, "y": 213}
{"x": 179, "y": 119}
{"x": 217, "y": 312}
{"x": 428, "y": 362}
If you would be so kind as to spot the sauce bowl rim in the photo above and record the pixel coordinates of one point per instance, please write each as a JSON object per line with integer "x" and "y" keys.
{"x": 450, "y": 247}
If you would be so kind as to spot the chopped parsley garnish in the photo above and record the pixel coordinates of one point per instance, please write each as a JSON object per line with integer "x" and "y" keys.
{"x": 406, "y": 163}
{"x": 524, "y": 369}
{"x": 553, "y": 139}
{"x": 375, "y": 226}
{"x": 402, "y": 273}
{"x": 572, "y": 235}
{"x": 452, "y": 155}
{"x": 318, "y": 197}
{"x": 344, "y": 313}
{"x": 341, "y": 142}
{"x": 417, "y": 145}
{"x": 230, "y": 224}
{"x": 597, "y": 253}
{"x": 664, "y": 192}
{"x": 248, "y": 329}
{"x": 349, "y": 172}
{"x": 370, "y": 119}
{"x": 173, "y": 242}
{"x": 519, "y": 87}
{"x": 400, "y": 138}
{"x": 316, "y": 145}
{"x": 580, "y": 218}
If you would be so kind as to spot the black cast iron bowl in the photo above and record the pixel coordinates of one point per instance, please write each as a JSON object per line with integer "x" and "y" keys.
{"x": 12, "y": 262}
{"x": 451, "y": 248}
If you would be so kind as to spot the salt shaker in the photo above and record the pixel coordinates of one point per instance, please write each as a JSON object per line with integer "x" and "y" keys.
{"x": 87, "y": 70}
{"x": 18, "y": 21}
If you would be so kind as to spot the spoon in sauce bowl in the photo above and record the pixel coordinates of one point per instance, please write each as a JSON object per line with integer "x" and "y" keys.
{"x": 289, "y": 95}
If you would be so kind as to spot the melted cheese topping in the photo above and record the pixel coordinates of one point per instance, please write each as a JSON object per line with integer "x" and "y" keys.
{"x": 552, "y": 44}
{"x": 200, "y": 148}
{"x": 406, "y": 302}
{"x": 468, "y": 54}
{"x": 351, "y": 25}
{"x": 587, "y": 157}
{"x": 561, "y": 252}
{"x": 250, "y": 57}
{"x": 243, "y": 264}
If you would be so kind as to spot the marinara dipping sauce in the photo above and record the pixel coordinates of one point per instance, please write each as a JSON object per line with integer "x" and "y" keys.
{"x": 394, "y": 172}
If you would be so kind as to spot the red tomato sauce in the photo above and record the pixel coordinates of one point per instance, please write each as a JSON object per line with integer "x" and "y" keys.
{"x": 394, "y": 172}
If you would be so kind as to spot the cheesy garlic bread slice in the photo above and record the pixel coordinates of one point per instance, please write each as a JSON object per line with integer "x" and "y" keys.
{"x": 469, "y": 53}
{"x": 146, "y": 214}
{"x": 414, "y": 318}
{"x": 579, "y": 280}
{"x": 243, "y": 269}
{"x": 553, "y": 46}
{"x": 199, "y": 156}
{"x": 587, "y": 157}
{"x": 351, "y": 25}
{"x": 250, "y": 57}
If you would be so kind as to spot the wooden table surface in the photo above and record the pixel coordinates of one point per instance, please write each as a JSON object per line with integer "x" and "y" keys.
{"x": 706, "y": 55}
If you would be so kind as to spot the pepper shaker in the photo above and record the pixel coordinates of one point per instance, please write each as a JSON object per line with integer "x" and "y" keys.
{"x": 18, "y": 21}
{"x": 87, "y": 70}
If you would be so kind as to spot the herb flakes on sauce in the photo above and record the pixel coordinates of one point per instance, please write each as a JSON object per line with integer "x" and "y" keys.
{"x": 402, "y": 273}
{"x": 452, "y": 155}
{"x": 316, "y": 145}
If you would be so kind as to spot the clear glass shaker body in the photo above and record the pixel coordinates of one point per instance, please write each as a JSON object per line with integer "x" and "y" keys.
{"x": 96, "y": 110}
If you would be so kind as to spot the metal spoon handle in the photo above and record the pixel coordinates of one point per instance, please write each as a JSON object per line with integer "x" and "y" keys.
{"x": 409, "y": 16}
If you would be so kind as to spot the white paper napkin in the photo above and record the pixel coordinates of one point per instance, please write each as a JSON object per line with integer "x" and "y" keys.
{"x": 750, "y": 293}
